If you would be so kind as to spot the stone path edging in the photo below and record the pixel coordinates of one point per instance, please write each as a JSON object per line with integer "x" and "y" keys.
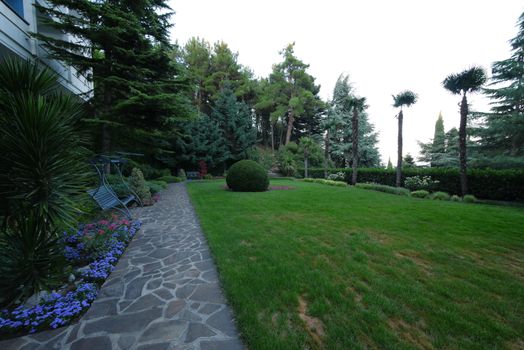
{"x": 163, "y": 294}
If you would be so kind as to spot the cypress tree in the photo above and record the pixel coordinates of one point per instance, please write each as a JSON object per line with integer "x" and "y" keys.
{"x": 438, "y": 147}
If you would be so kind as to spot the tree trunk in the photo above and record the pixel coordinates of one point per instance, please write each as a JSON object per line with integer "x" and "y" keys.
{"x": 290, "y": 122}
{"x": 462, "y": 145}
{"x": 305, "y": 165}
{"x": 326, "y": 154}
{"x": 398, "y": 179}
{"x": 273, "y": 137}
{"x": 354, "y": 148}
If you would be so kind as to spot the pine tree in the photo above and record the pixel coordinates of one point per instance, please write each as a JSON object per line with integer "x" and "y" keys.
{"x": 409, "y": 162}
{"x": 338, "y": 124}
{"x": 294, "y": 92}
{"x": 236, "y": 124}
{"x": 504, "y": 129}
{"x": 122, "y": 47}
{"x": 201, "y": 140}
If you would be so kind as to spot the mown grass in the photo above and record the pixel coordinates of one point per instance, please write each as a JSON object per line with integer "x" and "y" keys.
{"x": 366, "y": 269}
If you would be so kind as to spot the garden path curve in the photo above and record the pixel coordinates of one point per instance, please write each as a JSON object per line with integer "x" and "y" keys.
{"x": 163, "y": 294}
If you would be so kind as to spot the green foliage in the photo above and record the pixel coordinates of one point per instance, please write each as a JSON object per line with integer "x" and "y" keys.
{"x": 139, "y": 185}
{"x": 455, "y": 198}
{"x": 469, "y": 80}
{"x": 182, "y": 174}
{"x": 235, "y": 123}
{"x": 420, "y": 194}
{"x": 265, "y": 157}
{"x": 390, "y": 165}
{"x": 201, "y": 140}
{"x": 31, "y": 260}
{"x": 170, "y": 179}
{"x": 409, "y": 162}
{"x": 484, "y": 183}
{"x": 156, "y": 186}
{"x": 383, "y": 188}
{"x": 42, "y": 165}
{"x": 286, "y": 158}
{"x": 326, "y": 182}
{"x": 340, "y": 176}
{"x": 469, "y": 198}
{"x": 404, "y": 98}
{"x": 122, "y": 47}
{"x": 207, "y": 177}
{"x": 414, "y": 183}
{"x": 294, "y": 96}
{"x": 502, "y": 130}
{"x": 338, "y": 124}
{"x": 441, "y": 196}
{"x": 247, "y": 176}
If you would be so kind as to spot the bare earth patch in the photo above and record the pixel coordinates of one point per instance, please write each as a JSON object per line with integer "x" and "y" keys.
{"x": 410, "y": 333}
{"x": 415, "y": 257}
{"x": 314, "y": 326}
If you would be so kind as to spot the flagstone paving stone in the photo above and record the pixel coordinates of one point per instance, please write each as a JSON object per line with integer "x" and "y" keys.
{"x": 163, "y": 294}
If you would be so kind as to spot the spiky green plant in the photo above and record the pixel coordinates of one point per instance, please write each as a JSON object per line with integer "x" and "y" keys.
{"x": 42, "y": 168}
{"x": 467, "y": 81}
{"x": 406, "y": 98}
{"x": 31, "y": 258}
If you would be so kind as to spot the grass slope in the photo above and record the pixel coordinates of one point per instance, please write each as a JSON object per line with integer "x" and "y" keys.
{"x": 346, "y": 268}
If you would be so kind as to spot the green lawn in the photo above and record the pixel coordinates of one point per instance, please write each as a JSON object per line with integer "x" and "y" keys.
{"x": 366, "y": 270}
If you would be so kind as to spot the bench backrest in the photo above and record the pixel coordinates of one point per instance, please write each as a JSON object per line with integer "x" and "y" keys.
{"x": 104, "y": 197}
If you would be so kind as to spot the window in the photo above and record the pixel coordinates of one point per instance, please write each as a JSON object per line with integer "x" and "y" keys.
{"x": 17, "y": 6}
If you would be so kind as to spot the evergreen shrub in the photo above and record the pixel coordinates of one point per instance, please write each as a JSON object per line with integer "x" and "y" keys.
{"x": 420, "y": 194}
{"x": 247, "y": 176}
{"x": 492, "y": 184}
{"x": 441, "y": 196}
{"x": 383, "y": 188}
{"x": 469, "y": 198}
{"x": 139, "y": 185}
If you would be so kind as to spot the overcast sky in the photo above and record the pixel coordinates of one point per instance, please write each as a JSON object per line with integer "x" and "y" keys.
{"x": 384, "y": 46}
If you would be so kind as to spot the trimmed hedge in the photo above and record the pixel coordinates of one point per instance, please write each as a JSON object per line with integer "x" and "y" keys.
{"x": 483, "y": 183}
{"x": 399, "y": 191}
{"x": 326, "y": 182}
{"x": 247, "y": 176}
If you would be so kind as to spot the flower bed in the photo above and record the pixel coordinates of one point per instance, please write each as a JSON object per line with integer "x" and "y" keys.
{"x": 93, "y": 251}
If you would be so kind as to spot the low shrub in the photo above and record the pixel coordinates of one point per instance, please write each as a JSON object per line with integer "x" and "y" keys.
{"x": 469, "y": 198}
{"x": 420, "y": 194}
{"x": 171, "y": 179}
{"x": 492, "y": 184}
{"x": 247, "y": 176}
{"x": 208, "y": 177}
{"x": 455, "y": 198}
{"x": 326, "y": 182}
{"x": 182, "y": 174}
{"x": 383, "y": 188}
{"x": 414, "y": 183}
{"x": 139, "y": 185}
{"x": 440, "y": 196}
{"x": 337, "y": 176}
{"x": 156, "y": 186}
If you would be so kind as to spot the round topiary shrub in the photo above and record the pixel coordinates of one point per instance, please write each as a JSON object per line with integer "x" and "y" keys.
{"x": 247, "y": 176}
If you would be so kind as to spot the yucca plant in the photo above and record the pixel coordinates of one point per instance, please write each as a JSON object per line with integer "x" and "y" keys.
{"x": 467, "y": 81}
{"x": 31, "y": 258}
{"x": 42, "y": 173}
{"x": 404, "y": 99}
{"x": 42, "y": 168}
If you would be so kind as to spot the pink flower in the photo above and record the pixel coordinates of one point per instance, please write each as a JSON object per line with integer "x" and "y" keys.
{"x": 101, "y": 232}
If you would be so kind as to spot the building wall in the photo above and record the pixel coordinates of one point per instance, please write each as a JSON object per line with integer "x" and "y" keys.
{"x": 18, "y": 18}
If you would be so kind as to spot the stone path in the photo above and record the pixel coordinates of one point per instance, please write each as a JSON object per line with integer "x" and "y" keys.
{"x": 163, "y": 294}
